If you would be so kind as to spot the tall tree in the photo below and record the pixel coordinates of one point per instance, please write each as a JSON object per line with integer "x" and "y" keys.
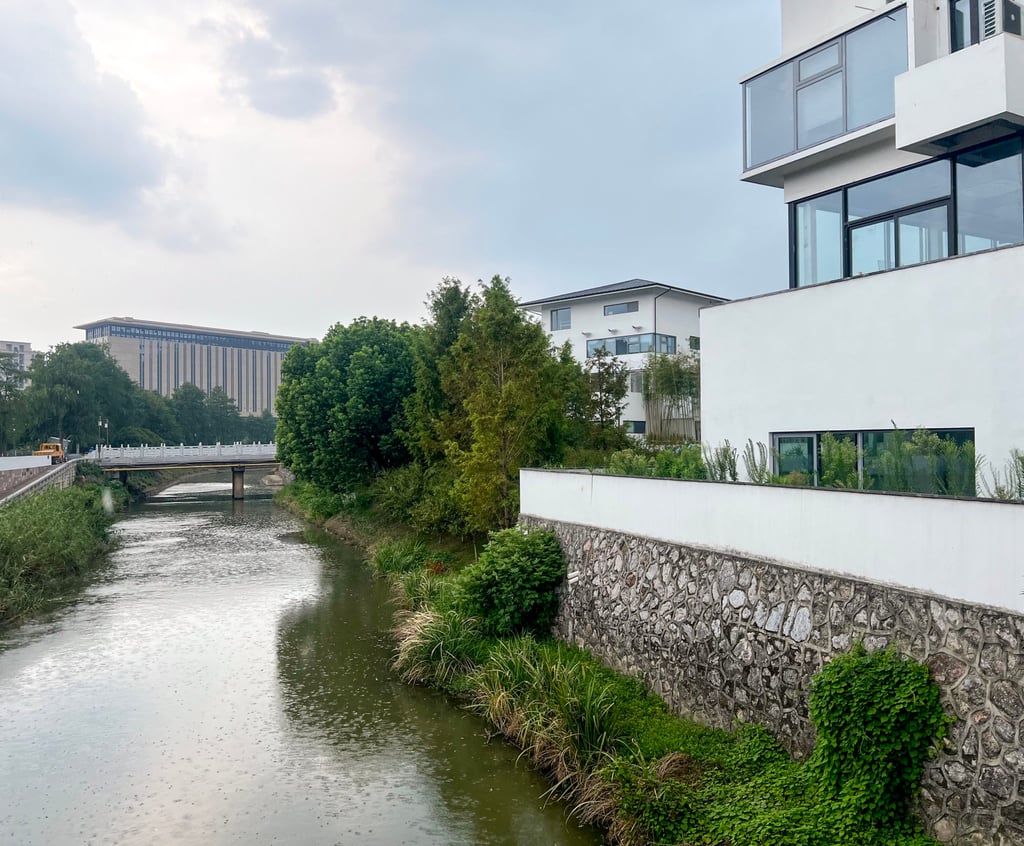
{"x": 189, "y": 403}
{"x": 502, "y": 370}
{"x": 428, "y": 409}
{"x": 72, "y": 388}
{"x": 609, "y": 381}
{"x": 10, "y": 381}
{"x": 223, "y": 421}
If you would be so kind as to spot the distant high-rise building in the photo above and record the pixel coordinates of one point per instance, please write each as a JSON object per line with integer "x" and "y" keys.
{"x": 21, "y": 351}
{"x": 162, "y": 357}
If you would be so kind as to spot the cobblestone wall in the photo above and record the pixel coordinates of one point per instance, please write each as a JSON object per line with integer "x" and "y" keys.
{"x": 724, "y": 638}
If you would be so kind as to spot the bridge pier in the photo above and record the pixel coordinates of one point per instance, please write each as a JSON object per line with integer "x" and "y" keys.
{"x": 238, "y": 482}
{"x": 122, "y": 477}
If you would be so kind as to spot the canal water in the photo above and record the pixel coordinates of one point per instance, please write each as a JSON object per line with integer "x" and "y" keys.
{"x": 226, "y": 680}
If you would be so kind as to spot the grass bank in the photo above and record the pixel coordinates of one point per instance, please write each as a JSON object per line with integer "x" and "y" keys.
{"x": 49, "y": 541}
{"x": 615, "y": 754}
{"x": 480, "y": 631}
{"x": 355, "y": 518}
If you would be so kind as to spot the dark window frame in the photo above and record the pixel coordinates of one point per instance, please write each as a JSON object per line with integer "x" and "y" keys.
{"x": 559, "y": 311}
{"x": 949, "y": 200}
{"x": 629, "y": 307}
{"x": 798, "y": 84}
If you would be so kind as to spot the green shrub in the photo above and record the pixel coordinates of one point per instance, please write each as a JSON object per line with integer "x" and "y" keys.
{"x": 511, "y": 589}
{"x": 878, "y": 716}
{"x": 440, "y": 510}
{"x": 397, "y": 492}
{"x": 651, "y": 809}
{"x": 682, "y": 462}
{"x": 630, "y": 462}
{"x": 319, "y": 503}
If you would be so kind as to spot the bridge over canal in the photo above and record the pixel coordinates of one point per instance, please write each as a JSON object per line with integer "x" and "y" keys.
{"x": 237, "y": 456}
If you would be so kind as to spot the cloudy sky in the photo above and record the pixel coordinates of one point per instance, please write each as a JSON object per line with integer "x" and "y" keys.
{"x": 282, "y": 165}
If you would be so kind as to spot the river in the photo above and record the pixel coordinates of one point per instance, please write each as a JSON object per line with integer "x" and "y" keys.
{"x": 225, "y": 680}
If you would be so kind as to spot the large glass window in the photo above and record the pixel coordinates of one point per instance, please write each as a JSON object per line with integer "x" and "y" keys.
{"x": 873, "y": 247}
{"x": 990, "y": 202}
{"x": 632, "y": 344}
{"x": 836, "y": 88}
{"x": 906, "y": 218}
{"x": 923, "y": 236}
{"x": 770, "y": 115}
{"x": 875, "y": 55}
{"x": 819, "y": 109}
{"x": 899, "y": 190}
{"x": 795, "y": 455}
{"x": 561, "y": 318}
{"x": 819, "y": 239}
{"x": 930, "y": 461}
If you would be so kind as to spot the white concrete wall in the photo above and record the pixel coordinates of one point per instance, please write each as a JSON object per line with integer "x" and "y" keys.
{"x": 964, "y": 90}
{"x": 935, "y": 345}
{"x": 962, "y": 549}
{"x": 806, "y": 23}
{"x": 851, "y": 165}
{"x": 20, "y": 462}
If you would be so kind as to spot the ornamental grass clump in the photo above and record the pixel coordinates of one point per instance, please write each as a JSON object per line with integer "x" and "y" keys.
{"x": 400, "y": 556}
{"x": 438, "y": 648}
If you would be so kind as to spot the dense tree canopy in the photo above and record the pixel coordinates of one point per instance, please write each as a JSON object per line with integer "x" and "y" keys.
{"x": 442, "y": 417}
{"x": 341, "y": 403}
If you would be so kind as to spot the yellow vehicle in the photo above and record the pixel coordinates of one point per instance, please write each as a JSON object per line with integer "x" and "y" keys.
{"x": 55, "y": 451}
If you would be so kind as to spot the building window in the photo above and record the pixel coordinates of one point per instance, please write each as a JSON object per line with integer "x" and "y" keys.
{"x": 827, "y": 92}
{"x": 886, "y": 460}
{"x": 908, "y": 217}
{"x": 561, "y": 318}
{"x": 694, "y": 343}
{"x": 990, "y": 202}
{"x": 635, "y": 427}
{"x": 636, "y": 381}
{"x": 622, "y": 308}
{"x": 632, "y": 344}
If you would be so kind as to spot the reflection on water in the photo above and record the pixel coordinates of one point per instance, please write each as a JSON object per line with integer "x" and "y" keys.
{"x": 227, "y": 681}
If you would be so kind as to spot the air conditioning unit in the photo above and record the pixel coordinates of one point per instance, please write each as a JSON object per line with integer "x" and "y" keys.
{"x": 999, "y": 16}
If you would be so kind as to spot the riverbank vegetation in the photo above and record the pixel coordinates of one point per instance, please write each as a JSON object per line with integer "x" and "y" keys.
{"x": 613, "y": 751}
{"x": 49, "y": 541}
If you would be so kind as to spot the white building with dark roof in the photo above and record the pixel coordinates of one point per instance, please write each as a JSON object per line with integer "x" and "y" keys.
{"x": 163, "y": 356}
{"x": 630, "y": 319}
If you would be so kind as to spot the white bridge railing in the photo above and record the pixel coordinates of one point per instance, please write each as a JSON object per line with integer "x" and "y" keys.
{"x": 183, "y": 454}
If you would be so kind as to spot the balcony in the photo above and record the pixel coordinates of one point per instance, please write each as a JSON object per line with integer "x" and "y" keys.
{"x": 969, "y": 97}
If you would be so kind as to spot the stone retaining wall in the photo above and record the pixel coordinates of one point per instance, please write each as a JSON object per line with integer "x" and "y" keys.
{"x": 723, "y": 637}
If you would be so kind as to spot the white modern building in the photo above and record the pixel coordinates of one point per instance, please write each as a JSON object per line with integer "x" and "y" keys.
{"x": 630, "y": 319}
{"x": 895, "y": 131}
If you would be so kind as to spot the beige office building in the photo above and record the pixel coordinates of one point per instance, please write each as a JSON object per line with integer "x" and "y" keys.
{"x": 162, "y": 357}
